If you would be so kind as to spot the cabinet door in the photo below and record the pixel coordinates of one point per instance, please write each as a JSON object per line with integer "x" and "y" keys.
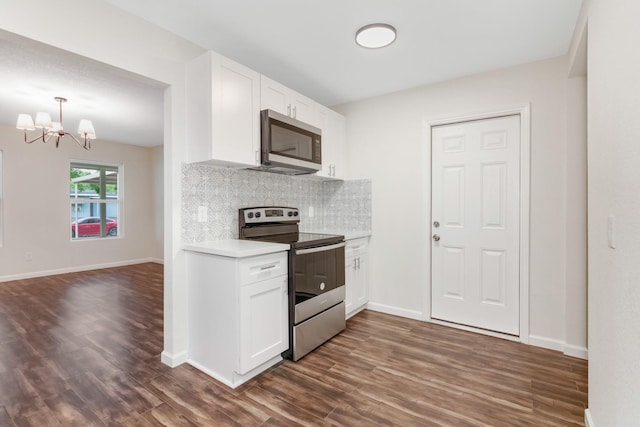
{"x": 333, "y": 148}
{"x": 274, "y": 96}
{"x": 350, "y": 282}
{"x": 236, "y": 112}
{"x": 304, "y": 109}
{"x": 356, "y": 275}
{"x": 264, "y": 315}
{"x": 360, "y": 294}
{"x": 278, "y": 97}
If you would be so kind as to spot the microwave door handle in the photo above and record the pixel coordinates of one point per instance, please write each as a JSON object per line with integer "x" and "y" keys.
{"x": 320, "y": 249}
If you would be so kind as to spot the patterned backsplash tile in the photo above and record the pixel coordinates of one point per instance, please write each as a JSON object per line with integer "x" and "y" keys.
{"x": 347, "y": 205}
{"x": 338, "y": 206}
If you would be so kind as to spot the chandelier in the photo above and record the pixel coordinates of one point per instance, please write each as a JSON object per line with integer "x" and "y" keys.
{"x": 49, "y": 128}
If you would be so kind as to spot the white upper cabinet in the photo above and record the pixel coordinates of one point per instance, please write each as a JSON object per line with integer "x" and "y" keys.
{"x": 223, "y": 111}
{"x": 277, "y": 97}
{"x": 333, "y": 127}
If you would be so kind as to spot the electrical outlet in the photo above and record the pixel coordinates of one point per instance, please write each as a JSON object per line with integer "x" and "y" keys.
{"x": 202, "y": 214}
{"x": 28, "y": 256}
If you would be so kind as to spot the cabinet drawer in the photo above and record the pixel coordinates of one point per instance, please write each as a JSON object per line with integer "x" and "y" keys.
{"x": 263, "y": 267}
{"x": 356, "y": 246}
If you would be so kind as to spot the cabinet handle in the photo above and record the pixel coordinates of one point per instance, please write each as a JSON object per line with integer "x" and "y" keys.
{"x": 289, "y": 110}
{"x": 355, "y": 266}
{"x": 358, "y": 262}
{"x": 333, "y": 167}
{"x": 257, "y": 159}
{"x": 268, "y": 267}
{"x": 294, "y": 112}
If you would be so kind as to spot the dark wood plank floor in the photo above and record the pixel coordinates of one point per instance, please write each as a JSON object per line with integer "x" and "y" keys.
{"x": 84, "y": 349}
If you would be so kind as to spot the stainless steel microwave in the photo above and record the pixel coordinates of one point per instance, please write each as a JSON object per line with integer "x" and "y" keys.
{"x": 289, "y": 146}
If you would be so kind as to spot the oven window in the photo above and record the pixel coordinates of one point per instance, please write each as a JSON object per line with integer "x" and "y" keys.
{"x": 290, "y": 143}
{"x": 317, "y": 273}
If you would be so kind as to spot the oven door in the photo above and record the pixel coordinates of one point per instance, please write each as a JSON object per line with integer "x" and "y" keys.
{"x": 318, "y": 279}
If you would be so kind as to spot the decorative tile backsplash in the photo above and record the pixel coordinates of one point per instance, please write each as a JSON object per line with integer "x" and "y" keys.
{"x": 338, "y": 206}
{"x": 347, "y": 205}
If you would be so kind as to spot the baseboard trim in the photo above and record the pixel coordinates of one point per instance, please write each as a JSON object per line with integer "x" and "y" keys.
{"x": 157, "y": 260}
{"x": 557, "y": 345}
{"x": 575, "y": 351}
{"x": 588, "y": 421}
{"x": 54, "y": 272}
{"x": 387, "y": 309}
{"x": 548, "y": 343}
{"x": 174, "y": 360}
{"x": 535, "y": 340}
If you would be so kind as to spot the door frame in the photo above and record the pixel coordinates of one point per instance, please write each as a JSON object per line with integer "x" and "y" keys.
{"x": 523, "y": 110}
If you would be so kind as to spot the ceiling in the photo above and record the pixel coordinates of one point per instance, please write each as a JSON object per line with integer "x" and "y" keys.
{"x": 124, "y": 107}
{"x": 306, "y": 45}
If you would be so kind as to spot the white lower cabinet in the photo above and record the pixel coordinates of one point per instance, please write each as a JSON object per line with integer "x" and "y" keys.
{"x": 263, "y": 322}
{"x": 356, "y": 275}
{"x": 238, "y": 314}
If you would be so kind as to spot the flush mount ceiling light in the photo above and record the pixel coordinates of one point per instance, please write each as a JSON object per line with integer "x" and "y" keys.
{"x": 374, "y": 36}
{"x": 49, "y": 128}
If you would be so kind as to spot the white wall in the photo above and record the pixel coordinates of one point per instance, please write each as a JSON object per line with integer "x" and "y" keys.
{"x": 614, "y": 189}
{"x": 103, "y": 32}
{"x": 576, "y": 216}
{"x": 157, "y": 172}
{"x": 36, "y": 207}
{"x": 386, "y": 142}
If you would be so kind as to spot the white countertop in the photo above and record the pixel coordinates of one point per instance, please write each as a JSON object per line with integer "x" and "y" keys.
{"x": 236, "y": 248}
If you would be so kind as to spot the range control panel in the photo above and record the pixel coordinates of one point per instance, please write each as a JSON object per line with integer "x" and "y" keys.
{"x": 269, "y": 214}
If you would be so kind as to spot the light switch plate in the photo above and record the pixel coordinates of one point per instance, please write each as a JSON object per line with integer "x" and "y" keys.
{"x": 611, "y": 231}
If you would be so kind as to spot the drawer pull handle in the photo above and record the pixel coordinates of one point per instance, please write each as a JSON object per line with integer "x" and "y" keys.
{"x": 268, "y": 267}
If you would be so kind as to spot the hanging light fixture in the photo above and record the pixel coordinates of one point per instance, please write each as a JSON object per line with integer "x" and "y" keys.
{"x": 49, "y": 128}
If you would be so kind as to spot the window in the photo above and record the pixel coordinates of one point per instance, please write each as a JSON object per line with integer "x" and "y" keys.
{"x": 95, "y": 197}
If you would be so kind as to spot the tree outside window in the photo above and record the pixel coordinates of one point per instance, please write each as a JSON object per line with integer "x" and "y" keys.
{"x": 94, "y": 191}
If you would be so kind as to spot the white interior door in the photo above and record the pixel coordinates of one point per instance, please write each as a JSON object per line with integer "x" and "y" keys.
{"x": 475, "y": 231}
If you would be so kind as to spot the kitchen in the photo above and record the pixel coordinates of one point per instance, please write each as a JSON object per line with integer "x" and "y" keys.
{"x": 548, "y": 168}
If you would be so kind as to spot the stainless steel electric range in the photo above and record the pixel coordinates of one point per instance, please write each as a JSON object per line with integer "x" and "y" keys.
{"x": 316, "y": 275}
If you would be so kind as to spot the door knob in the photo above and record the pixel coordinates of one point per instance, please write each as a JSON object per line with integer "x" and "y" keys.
{"x": 436, "y": 238}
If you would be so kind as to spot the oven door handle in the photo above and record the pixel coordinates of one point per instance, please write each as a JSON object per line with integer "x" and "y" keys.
{"x": 320, "y": 249}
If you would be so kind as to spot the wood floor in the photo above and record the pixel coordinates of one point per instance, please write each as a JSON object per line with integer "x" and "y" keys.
{"x": 84, "y": 349}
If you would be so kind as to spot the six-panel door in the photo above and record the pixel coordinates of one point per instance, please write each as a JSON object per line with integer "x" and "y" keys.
{"x": 475, "y": 230}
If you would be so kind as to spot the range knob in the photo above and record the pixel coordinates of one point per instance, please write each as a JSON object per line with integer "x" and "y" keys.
{"x": 295, "y": 213}
{"x": 290, "y": 213}
{"x": 250, "y": 215}
{"x": 258, "y": 214}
